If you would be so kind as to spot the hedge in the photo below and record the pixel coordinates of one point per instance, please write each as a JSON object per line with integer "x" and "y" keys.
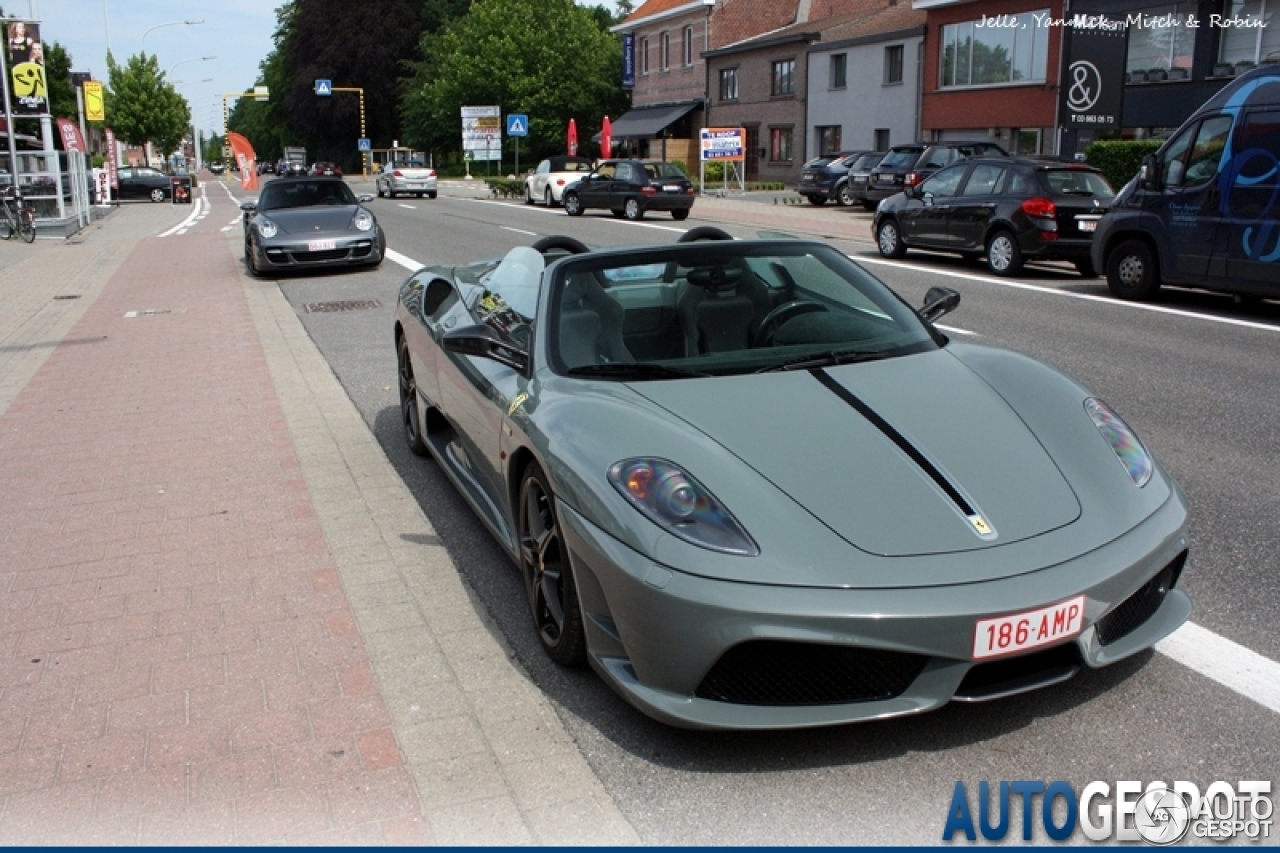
{"x": 1119, "y": 159}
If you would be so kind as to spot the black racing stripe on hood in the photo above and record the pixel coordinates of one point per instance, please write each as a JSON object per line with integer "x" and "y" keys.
{"x": 896, "y": 437}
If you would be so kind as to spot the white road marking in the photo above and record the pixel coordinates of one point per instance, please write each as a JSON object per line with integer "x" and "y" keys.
{"x": 407, "y": 206}
{"x": 519, "y": 231}
{"x": 191, "y": 217}
{"x": 1053, "y": 291}
{"x": 235, "y": 221}
{"x": 1230, "y": 664}
{"x": 559, "y": 212}
{"x": 229, "y": 227}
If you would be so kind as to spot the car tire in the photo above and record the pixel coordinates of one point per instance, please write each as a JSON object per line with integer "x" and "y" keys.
{"x": 549, "y": 583}
{"x": 817, "y": 200}
{"x": 409, "y": 417}
{"x": 528, "y": 195}
{"x": 549, "y": 198}
{"x": 889, "y": 239}
{"x": 157, "y": 195}
{"x": 378, "y": 189}
{"x": 1132, "y": 272}
{"x": 1004, "y": 257}
{"x": 680, "y": 215}
{"x": 433, "y": 194}
{"x": 250, "y": 260}
{"x": 844, "y": 196}
{"x": 572, "y": 204}
{"x": 632, "y": 210}
{"x": 1085, "y": 267}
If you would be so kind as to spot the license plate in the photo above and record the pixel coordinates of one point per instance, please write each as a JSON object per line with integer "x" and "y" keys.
{"x": 671, "y": 188}
{"x": 1088, "y": 224}
{"x": 321, "y": 245}
{"x": 1021, "y": 631}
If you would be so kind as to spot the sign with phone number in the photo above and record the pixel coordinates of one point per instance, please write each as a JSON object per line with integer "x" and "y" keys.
{"x": 724, "y": 143}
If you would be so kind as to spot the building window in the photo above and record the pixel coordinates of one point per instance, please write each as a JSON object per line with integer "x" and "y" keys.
{"x": 1027, "y": 141}
{"x": 784, "y": 78}
{"x": 728, "y": 84}
{"x": 976, "y": 55}
{"x": 780, "y": 144}
{"x": 828, "y": 140}
{"x": 882, "y": 139}
{"x": 665, "y": 51}
{"x": 839, "y": 70}
{"x": 1161, "y": 37}
{"x": 893, "y": 64}
{"x": 688, "y": 46}
{"x": 1250, "y": 44}
{"x": 644, "y": 55}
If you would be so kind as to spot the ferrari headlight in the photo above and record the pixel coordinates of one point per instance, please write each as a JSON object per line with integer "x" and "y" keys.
{"x": 670, "y": 498}
{"x": 363, "y": 220}
{"x": 1123, "y": 440}
{"x": 266, "y": 228}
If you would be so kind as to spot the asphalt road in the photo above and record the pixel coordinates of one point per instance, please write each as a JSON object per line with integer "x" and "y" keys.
{"x": 1196, "y": 375}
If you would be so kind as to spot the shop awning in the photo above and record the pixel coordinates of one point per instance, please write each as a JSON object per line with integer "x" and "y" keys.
{"x": 647, "y": 121}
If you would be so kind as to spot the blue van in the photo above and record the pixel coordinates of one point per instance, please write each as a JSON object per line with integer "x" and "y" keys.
{"x": 1204, "y": 211}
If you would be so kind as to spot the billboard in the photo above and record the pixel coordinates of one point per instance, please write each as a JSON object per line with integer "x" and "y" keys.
{"x": 724, "y": 143}
{"x": 1092, "y": 87}
{"x": 24, "y": 57}
{"x": 482, "y": 132}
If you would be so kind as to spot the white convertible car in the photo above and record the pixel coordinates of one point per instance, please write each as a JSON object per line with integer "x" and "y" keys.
{"x": 547, "y": 182}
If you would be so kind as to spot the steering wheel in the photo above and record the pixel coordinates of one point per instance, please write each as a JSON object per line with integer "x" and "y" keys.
{"x": 779, "y": 316}
{"x": 562, "y": 243}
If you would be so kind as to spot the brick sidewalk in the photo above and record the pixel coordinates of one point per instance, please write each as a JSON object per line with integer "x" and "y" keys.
{"x": 178, "y": 661}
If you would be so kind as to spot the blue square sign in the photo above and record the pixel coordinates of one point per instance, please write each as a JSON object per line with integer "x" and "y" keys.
{"x": 324, "y": 88}
{"x": 517, "y": 125}
{"x": 364, "y": 145}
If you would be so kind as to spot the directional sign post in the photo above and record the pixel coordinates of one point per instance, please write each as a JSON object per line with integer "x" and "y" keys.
{"x": 517, "y": 126}
{"x": 324, "y": 88}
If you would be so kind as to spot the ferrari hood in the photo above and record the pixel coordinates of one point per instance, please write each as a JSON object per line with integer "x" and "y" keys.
{"x": 907, "y": 456}
{"x": 301, "y": 221}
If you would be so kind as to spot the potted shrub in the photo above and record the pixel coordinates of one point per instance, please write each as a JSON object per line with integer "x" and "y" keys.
{"x": 1242, "y": 67}
{"x": 1155, "y": 74}
{"x": 1224, "y": 69}
{"x": 1179, "y": 74}
{"x": 1137, "y": 76}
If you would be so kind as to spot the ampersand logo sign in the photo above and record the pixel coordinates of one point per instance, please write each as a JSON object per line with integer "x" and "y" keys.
{"x": 1086, "y": 86}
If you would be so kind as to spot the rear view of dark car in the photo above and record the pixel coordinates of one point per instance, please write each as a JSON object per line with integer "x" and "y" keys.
{"x": 860, "y": 175}
{"x": 907, "y": 165}
{"x": 630, "y": 188}
{"x": 826, "y": 177}
{"x": 1008, "y": 209}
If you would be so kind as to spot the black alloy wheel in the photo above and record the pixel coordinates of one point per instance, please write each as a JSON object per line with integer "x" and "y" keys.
{"x": 572, "y": 204}
{"x": 409, "y": 401}
{"x": 553, "y": 598}
{"x": 1132, "y": 272}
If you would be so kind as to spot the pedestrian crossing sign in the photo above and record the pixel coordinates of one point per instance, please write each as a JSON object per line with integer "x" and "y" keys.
{"x": 517, "y": 125}
{"x": 324, "y": 87}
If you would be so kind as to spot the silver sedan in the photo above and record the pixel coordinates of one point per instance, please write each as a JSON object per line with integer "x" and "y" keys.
{"x": 395, "y": 178}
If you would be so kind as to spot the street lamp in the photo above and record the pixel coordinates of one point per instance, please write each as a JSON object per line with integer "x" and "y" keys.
{"x": 166, "y": 24}
{"x": 185, "y": 61}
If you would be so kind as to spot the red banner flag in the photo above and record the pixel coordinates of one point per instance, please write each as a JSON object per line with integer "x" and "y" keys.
{"x": 573, "y": 138}
{"x": 606, "y": 139}
{"x": 245, "y": 159}
{"x": 113, "y": 165}
{"x": 72, "y": 139}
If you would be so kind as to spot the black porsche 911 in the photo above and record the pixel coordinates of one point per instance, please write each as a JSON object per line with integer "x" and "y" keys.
{"x": 310, "y": 222}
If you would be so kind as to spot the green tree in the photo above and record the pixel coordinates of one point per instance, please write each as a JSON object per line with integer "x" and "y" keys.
{"x": 57, "y": 76}
{"x": 264, "y": 123}
{"x": 550, "y": 59}
{"x": 144, "y": 107}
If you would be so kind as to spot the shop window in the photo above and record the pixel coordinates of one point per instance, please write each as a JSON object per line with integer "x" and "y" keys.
{"x": 976, "y": 55}
{"x": 1160, "y": 37}
{"x": 1245, "y": 43}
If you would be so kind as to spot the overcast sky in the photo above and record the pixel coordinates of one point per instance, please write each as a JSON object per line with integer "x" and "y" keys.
{"x": 236, "y": 32}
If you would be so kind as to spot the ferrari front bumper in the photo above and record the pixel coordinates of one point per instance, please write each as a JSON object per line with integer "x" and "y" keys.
{"x": 660, "y": 636}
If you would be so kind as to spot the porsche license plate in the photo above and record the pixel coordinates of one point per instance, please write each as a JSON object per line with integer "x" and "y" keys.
{"x": 320, "y": 245}
{"x": 1021, "y": 631}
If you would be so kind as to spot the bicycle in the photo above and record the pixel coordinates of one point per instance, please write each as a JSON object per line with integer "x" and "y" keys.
{"x": 16, "y": 217}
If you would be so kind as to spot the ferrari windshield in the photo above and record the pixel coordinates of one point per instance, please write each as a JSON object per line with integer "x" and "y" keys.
{"x": 707, "y": 309}
{"x": 278, "y": 195}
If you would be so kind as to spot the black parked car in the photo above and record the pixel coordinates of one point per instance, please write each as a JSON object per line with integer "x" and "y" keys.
{"x": 827, "y": 176}
{"x": 1009, "y": 209}
{"x": 630, "y": 188}
{"x": 907, "y": 165}
{"x": 860, "y": 176}
{"x": 143, "y": 182}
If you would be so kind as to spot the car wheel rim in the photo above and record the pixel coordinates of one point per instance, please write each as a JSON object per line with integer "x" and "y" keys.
{"x": 157, "y": 195}
{"x": 408, "y": 393}
{"x": 571, "y": 203}
{"x": 1130, "y": 270}
{"x": 632, "y": 208}
{"x": 1001, "y": 254}
{"x": 888, "y": 239}
{"x": 543, "y": 562}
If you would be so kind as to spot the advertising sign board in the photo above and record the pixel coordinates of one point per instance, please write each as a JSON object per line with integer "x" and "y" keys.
{"x": 482, "y": 132}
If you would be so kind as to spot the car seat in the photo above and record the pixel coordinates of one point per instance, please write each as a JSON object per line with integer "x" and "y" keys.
{"x": 590, "y": 329}
{"x": 720, "y": 308}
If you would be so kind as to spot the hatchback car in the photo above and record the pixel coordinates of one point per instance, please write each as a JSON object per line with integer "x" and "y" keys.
{"x": 1009, "y": 209}
{"x": 907, "y": 165}
{"x": 548, "y": 181}
{"x": 409, "y": 178}
{"x": 860, "y": 176}
{"x": 826, "y": 177}
{"x": 143, "y": 182}
{"x": 630, "y": 188}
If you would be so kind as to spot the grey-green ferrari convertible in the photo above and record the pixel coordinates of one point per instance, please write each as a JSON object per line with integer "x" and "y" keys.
{"x": 753, "y": 488}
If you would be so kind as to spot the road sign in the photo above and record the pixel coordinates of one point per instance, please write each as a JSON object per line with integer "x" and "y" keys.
{"x": 226, "y": 152}
{"x": 517, "y": 125}
{"x": 364, "y": 145}
{"x": 261, "y": 93}
{"x": 324, "y": 88}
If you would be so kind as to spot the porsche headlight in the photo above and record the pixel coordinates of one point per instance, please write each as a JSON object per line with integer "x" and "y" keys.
{"x": 266, "y": 228}
{"x": 363, "y": 220}
{"x": 670, "y": 498}
{"x": 1123, "y": 440}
